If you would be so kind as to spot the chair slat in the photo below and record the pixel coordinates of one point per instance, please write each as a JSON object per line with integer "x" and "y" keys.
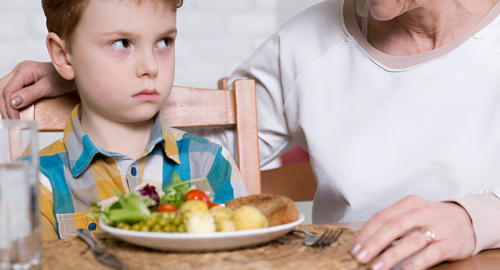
{"x": 191, "y": 107}
{"x": 247, "y": 137}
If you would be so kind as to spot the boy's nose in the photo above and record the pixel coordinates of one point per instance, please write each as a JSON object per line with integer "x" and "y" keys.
{"x": 147, "y": 65}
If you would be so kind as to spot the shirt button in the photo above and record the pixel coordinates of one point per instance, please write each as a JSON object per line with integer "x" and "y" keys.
{"x": 92, "y": 226}
{"x": 133, "y": 171}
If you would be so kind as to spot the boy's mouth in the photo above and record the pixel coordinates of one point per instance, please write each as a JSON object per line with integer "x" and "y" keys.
{"x": 147, "y": 95}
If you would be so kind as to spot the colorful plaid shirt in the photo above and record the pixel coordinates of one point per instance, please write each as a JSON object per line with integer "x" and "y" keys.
{"x": 75, "y": 172}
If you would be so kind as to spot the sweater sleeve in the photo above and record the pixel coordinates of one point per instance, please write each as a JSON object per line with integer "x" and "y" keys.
{"x": 483, "y": 208}
{"x": 264, "y": 67}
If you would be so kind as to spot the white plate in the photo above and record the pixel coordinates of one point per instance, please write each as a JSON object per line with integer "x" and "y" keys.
{"x": 201, "y": 241}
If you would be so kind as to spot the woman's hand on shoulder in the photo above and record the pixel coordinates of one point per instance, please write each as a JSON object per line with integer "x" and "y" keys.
{"x": 440, "y": 231}
{"x": 28, "y": 82}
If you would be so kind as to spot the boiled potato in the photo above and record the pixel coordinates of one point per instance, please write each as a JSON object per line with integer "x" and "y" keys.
{"x": 248, "y": 217}
{"x": 190, "y": 207}
{"x": 200, "y": 223}
{"x": 225, "y": 225}
{"x": 220, "y": 212}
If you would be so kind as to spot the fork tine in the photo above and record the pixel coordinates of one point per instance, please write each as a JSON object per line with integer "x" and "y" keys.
{"x": 316, "y": 243}
{"x": 329, "y": 237}
{"x": 338, "y": 232}
{"x": 320, "y": 242}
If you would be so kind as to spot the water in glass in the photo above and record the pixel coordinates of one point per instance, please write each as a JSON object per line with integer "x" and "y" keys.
{"x": 19, "y": 206}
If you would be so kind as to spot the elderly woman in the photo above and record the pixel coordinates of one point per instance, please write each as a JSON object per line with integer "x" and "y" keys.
{"x": 397, "y": 102}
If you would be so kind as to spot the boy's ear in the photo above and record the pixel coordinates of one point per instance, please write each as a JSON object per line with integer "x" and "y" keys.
{"x": 59, "y": 56}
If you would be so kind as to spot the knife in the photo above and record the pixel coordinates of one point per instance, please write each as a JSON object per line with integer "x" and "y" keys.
{"x": 100, "y": 252}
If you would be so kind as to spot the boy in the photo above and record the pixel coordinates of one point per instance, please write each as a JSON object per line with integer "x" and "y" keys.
{"x": 121, "y": 55}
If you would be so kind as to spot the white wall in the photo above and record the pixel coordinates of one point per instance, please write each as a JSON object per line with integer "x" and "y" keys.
{"x": 214, "y": 37}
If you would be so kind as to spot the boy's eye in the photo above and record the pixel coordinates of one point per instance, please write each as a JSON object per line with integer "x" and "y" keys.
{"x": 120, "y": 44}
{"x": 164, "y": 43}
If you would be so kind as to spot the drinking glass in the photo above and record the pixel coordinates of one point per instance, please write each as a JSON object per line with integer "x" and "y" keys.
{"x": 19, "y": 205}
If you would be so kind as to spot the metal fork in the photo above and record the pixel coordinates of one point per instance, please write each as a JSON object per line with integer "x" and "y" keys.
{"x": 310, "y": 238}
{"x": 328, "y": 237}
{"x": 100, "y": 252}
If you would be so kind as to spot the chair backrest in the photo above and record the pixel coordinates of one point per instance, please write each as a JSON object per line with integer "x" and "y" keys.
{"x": 185, "y": 107}
{"x": 295, "y": 181}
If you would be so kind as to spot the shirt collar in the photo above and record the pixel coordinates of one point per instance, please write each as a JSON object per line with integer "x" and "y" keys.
{"x": 81, "y": 150}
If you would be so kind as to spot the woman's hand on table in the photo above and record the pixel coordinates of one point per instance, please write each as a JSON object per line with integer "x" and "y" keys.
{"x": 28, "y": 82}
{"x": 409, "y": 218}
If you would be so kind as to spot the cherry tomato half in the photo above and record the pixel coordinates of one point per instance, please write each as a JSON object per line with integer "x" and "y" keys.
{"x": 196, "y": 195}
{"x": 167, "y": 208}
{"x": 212, "y": 204}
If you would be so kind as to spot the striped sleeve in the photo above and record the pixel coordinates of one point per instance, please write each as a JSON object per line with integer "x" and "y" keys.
{"x": 225, "y": 172}
{"x": 46, "y": 199}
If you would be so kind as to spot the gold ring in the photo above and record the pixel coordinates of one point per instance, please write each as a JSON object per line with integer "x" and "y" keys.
{"x": 430, "y": 237}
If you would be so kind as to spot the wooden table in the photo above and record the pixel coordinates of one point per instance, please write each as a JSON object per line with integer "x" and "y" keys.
{"x": 286, "y": 252}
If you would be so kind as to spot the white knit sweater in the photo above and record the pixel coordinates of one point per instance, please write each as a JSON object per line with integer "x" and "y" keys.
{"x": 378, "y": 127}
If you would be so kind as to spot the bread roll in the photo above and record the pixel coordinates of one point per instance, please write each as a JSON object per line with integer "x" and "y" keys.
{"x": 277, "y": 209}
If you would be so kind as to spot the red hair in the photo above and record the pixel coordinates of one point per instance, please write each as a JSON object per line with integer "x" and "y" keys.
{"x": 63, "y": 15}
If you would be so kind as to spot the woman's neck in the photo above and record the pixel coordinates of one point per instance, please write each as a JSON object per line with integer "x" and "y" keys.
{"x": 125, "y": 138}
{"x": 425, "y": 27}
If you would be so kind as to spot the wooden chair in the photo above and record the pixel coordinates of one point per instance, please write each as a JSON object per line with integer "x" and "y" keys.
{"x": 185, "y": 107}
{"x": 295, "y": 181}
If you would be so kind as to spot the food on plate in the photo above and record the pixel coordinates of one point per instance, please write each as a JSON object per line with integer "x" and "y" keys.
{"x": 220, "y": 212}
{"x": 222, "y": 218}
{"x": 167, "y": 207}
{"x": 247, "y": 217}
{"x": 225, "y": 225}
{"x": 166, "y": 222}
{"x": 200, "y": 223}
{"x": 196, "y": 195}
{"x": 179, "y": 209}
{"x": 277, "y": 209}
{"x": 188, "y": 208}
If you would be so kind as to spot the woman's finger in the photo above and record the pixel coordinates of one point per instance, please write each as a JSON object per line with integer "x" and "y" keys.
{"x": 458, "y": 235}
{"x": 3, "y": 103}
{"x": 16, "y": 92}
{"x": 380, "y": 219}
{"x": 23, "y": 75}
{"x": 410, "y": 244}
{"x": 430, "y": 256}
{"x": 26, "y": 96}
{"x": 30, "y": 82}
{"x": 393, "y": 229}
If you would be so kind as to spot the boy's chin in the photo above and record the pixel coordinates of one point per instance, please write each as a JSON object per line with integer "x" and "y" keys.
{"x": 141, "y": 118}
{"x": 136, "y": 117}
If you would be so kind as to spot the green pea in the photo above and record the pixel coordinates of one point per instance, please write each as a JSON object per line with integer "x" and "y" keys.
{"x": 162, "y": 222}
{"x": 166, "y": 228}
{"x": 126, "y": 227}
{"x": 149, "y": 222}
{"x": 155, "y": 218}
{"x": 120, "y": 225}
{"x": 181, "y": 228}
{"x": 177, "y": 221}
{"x": 145, "y": 229}
{"x": 136, "y": 227}
{"x": 156, "y": 228}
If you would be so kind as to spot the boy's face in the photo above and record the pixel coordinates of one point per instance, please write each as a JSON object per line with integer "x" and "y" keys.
{"x": 123, "y": 58}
